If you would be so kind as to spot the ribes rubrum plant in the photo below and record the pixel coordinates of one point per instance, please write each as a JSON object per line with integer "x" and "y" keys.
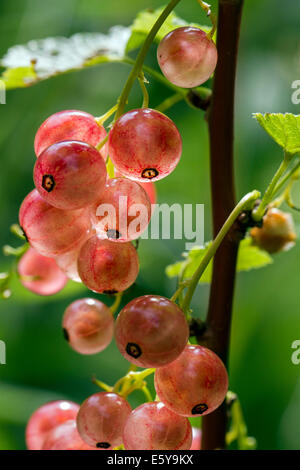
{"x": 85, "y": 168}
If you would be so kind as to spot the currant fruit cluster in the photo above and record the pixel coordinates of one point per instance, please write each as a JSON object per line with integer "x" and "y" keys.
{"x": 194, "y": 384}
{"x": 73, "y": 233}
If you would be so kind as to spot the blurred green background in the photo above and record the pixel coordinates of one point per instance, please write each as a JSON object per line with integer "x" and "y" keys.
{"x": 40, "y": 366}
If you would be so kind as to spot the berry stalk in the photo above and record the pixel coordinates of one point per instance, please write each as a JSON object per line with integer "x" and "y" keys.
{"x": 135, "y": 72}
{"x": 221, "y": 129}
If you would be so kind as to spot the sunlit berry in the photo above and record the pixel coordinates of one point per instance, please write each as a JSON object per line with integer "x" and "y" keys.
{"x": 101, "y": 420}
{"x": 46, "y": 418}
{"x": 69, "y": 125}
{"x": 145, "y": 145}
{"x": 194, "y": 384}
{"x": 197, "y": 437}
{"x": 123, "y": 211}
{"x": 70, "y": 175}
{"x": 52, "y": 231}
{"x": 107, "y": 267}
{"x": 152, "y": 426}
{"x": 39, "y": 274}
{"x": 88, "y": 326}
{"x": 65, "y": 437}
{"x": 187, "y": 57}
{"x": 151, "y": 331}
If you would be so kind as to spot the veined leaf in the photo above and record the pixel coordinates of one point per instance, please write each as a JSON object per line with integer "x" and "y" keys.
{"x": 41, "y": 59}
{"x": 146, "y": 19}
{"x": 249, "y": 257}
{"x": 283, "y": 128}
{"x": 28, "y": 64}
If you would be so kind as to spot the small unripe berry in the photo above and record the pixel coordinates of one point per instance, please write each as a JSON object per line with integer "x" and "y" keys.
{"x": 107, "y": 267}
{"x": 69, "y": 125}
{"x": 187, "y": 57}
{"x": 101, "y": 420}
{"x": 277, "y": 233}
{"x": 144, "y": 145}
{"x": 88, "y": 326}
{"x": 152, "y": 426}
{"x": 151, "y": 331}
{"x": 194, "y": 384}
{"x": 39, "y": 274}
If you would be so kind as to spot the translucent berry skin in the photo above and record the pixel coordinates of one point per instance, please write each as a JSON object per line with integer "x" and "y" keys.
{"x": 52, "y": 231}
{"x": 152, "y": 426}
{"x": 67, "y": 262}
{"x": 187, "y": 57}
{"x": 46, "y": 418}
{"x": 123, "y": 211}
{"x": 151, "y": 331}
{"x": 277, "y": 233}
{"x": 65, "y": 437}
{"x": 47, "y": 278}
{"x": 194, "y": 384}
{"x": 101, "y": 420}
{"x": 149, "y": 187}
{"x": 70, "y": 175}
{"x": 88, "y": 326}
{"x": 197, "y": 438}
{"x": 107, "y": 267}
{"x": 69, "y": 125}
{"x": 145, "y": 145}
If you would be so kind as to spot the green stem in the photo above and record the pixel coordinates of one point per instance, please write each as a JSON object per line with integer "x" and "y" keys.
{"x": 141, "y": 79}
{"x": 135, "y": 72}
{"x": 116, "y": 303}
{"x": 259, "y": 212}
{"x": 169, "y": 102}
{"x": 206, "y": 8}
{"x": 287, "y": 176}
{"x": 246, "y": 203}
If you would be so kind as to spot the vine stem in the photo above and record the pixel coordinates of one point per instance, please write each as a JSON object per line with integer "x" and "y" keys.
{"x": 258, "y": 213}
{"x": 135, "y": 72}
{"x": 221, "y": 133}
{"x": 289, "y": 174}
{"x": 246, "y": 203}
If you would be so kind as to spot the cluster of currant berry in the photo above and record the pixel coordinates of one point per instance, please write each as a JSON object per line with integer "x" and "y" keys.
{"x": 53, "y": 426}
{"x": 194, "y": 384}
{"x": 70, "y": 236}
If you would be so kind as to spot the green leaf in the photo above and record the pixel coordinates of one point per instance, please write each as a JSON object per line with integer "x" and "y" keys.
{"x": 249, "y": 257}
{"x": 38, "y": 60}
{"x": 146, "y": 19}
{"x": 283, "y": 128}
{"x": 41, "y": 59}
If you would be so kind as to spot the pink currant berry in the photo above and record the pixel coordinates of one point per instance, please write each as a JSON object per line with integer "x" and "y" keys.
{"x": 144, "y": 145}
{"x": 194, "y": 384}
{"x": 277, "y": 233}
{"x": 106, "y": 266}
{"x": 69, "y": 125}
{"x": 123, "y": 211}
{"x": 148, "y": 186}
{"x": 88, "y": 326}
{"x": 187, "y": 57}
{"x": 52, "y": 231}
{"x": 101, "y": 420}
{"x": 67, "y": 262}
{"x": 39, "y": 274}
{"x": 151, "y": 331}
{"x": 65, "y": 437}
{"x": 197, "y": 437}
{"x": 46, "y": 418}
{"x": 152, "y": 426}
{"x": 70, "y": 175}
